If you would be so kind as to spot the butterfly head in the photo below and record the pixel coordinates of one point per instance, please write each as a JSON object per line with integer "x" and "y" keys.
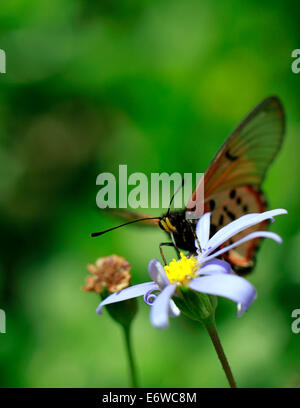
{"x": 176, "y": 225}
{"x": 166, "y": 224}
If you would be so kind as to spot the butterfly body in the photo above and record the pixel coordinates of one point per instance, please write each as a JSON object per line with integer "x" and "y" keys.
{"x": 176, "y": 223}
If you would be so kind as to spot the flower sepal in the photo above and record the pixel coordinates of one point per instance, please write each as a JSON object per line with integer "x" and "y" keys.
{"x": 121, "y": 312}
{"x": 197, "y": 306}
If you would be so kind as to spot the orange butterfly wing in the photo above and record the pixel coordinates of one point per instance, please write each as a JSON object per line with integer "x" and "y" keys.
{"x": 233, "y": 179}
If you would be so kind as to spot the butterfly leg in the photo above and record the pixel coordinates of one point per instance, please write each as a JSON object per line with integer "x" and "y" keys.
{"x": 161, "y": 251}
{"x": 174, "y": 244}
{"x": 194, "y": 234}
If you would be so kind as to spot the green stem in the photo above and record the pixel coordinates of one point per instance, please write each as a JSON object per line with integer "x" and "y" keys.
{"x": 213, "y": 334}
{"x": 131, "y": 363}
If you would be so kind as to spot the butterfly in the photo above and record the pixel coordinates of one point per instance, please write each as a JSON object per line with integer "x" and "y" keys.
{"x": 232, "y": 184}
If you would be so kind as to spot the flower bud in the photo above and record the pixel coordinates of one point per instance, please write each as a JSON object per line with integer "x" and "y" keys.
{"x": 109, "y": 275}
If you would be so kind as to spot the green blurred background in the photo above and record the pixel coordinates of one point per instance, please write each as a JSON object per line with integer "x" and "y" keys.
{"x": 157, "y": 85}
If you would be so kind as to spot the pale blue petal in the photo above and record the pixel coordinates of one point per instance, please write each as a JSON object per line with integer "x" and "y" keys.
{"x": 149, "y": 297}
{"x": 239, "y": 225}
{"x": 128, "y": 293}
{"x": 253, "y": 235}
{"x": 214, "y": 267}
{"x": 159, "y": 314}
{"x": 202, "y": 231}
{"x": 173, "y": 309}
{"x": 229, "y": 286}
{"x": 157, "y": 273}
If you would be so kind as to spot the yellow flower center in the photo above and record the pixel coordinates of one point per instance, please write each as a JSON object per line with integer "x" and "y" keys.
{"x": 182, "y": 271}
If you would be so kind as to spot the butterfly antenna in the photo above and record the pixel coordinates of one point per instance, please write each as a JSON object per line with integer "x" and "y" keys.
{"x": 172, "y": 199}
{"x": 97, "y": 234}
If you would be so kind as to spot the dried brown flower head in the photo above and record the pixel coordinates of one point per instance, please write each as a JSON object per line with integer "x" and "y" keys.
{"x": 111, "y": 273}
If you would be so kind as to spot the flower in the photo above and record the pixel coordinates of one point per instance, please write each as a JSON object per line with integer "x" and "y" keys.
{"x": 201, "y": 273}
{"x": 111, "y": 273}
